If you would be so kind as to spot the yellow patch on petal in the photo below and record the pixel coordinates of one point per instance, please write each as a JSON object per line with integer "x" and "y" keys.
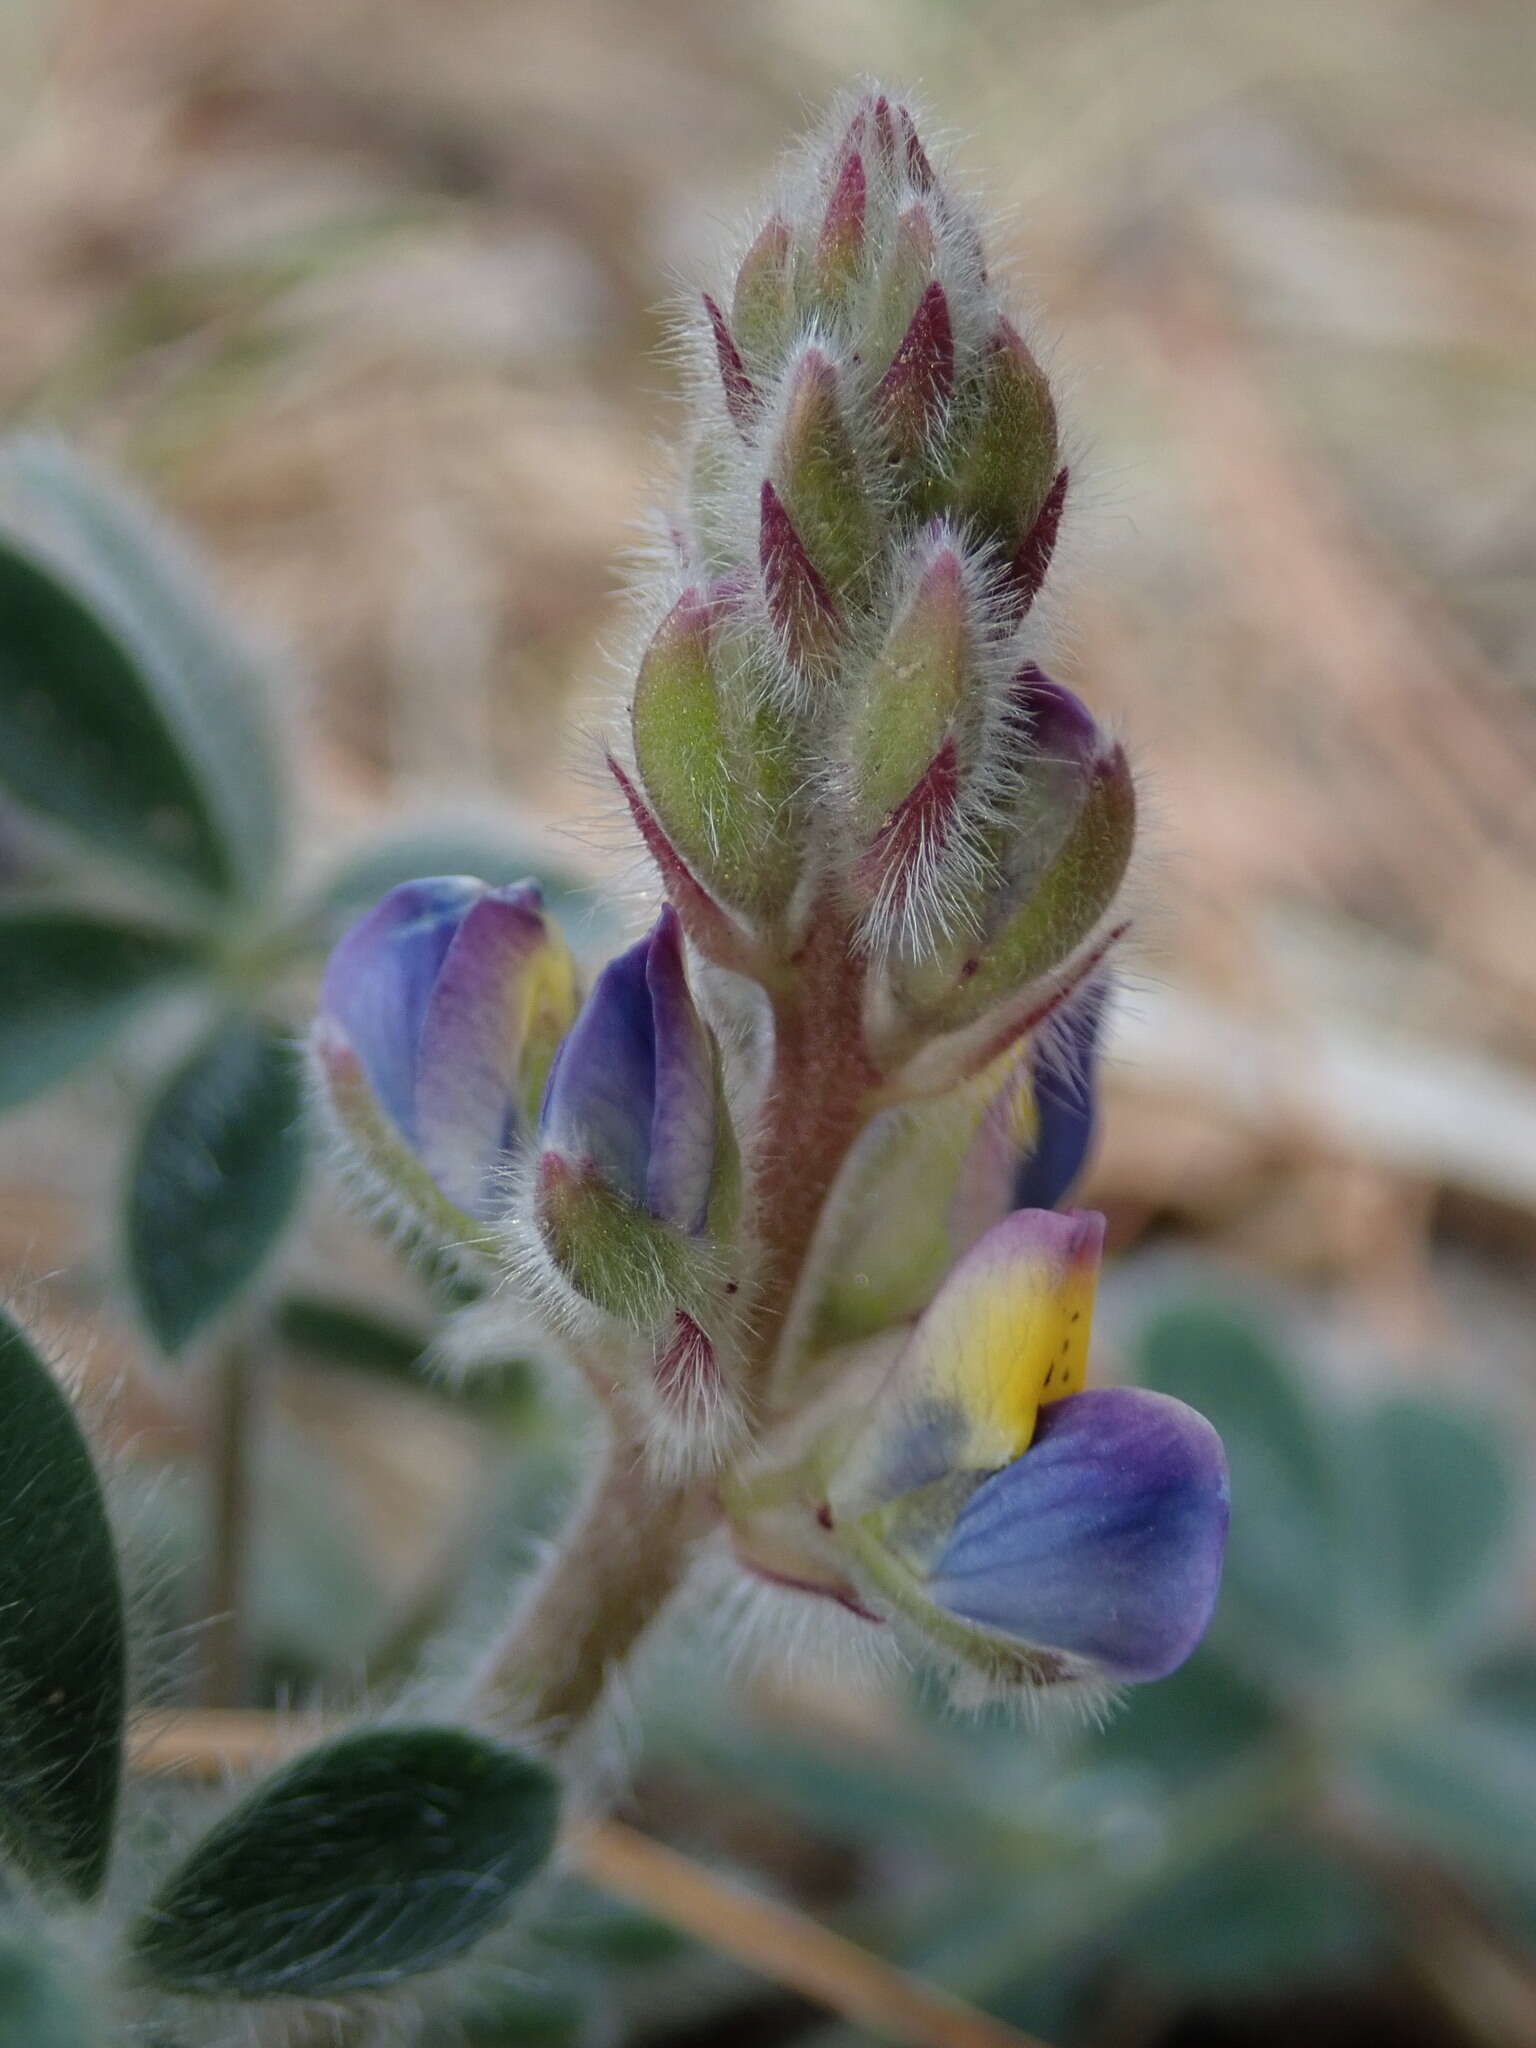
{"x": 1009, "y": 1331}
{"x": 543, "y": 992}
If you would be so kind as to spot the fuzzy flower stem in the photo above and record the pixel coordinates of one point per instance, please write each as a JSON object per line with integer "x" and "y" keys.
{"x": 624, "y": 1555}
{"x": 819, "y": 1099}
{"x": 232, "y": 1390}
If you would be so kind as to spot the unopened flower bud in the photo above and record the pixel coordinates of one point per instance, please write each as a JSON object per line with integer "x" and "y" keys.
{"x": 715, "y": 764}
{"x": 840, "y": 244}
{"x": 1023, "y": 1527}
{"x": 439, "y": 1016}
{"x": 913, "y": 689}
{"x": 636, "y": 1156}
{"x": 819, "y": 477}
{"x": 804, "y": 617}
{"x": 909, "y": 268}
{"x": 760, "y": 305}
{"x": 911, "y": 396}
{"x": 919, "y": 169}
{"x": 1007, "y": 460}
{"x": 1068, "y": 841}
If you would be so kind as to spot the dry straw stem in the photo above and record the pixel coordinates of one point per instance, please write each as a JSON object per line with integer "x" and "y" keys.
{"x": 773, "y": 1940}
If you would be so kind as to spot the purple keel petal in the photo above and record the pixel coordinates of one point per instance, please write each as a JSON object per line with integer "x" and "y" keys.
{"x": 379, "y": 980}
{"x": 1063, "y": 1066}
{"x": 600, "y": 1100}
{"x": 471, "y": 1041}
{"x": 1104, "y": 1540}
{"x": 683, "y": 1130}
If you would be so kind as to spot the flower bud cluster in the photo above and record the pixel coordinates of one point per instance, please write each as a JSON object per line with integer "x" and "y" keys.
{"x": 840, "y": 704}
{"x": 813, "y": 1233}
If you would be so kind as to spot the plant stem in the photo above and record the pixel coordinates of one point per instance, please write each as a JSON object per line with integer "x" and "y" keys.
{"x": 624, "y": 1557}
{"x": 231, "y": 1410}
{"x": 631, "y": 1540}
{"x": 818, "y": 1102}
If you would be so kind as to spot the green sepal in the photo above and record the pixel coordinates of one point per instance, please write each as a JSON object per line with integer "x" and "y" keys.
{"x": 634, "y": 1267}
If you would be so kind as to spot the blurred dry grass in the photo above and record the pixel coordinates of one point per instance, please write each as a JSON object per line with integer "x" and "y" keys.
{"x": 369, "y": 294}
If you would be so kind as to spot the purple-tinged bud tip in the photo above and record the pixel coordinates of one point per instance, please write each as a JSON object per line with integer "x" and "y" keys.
{"x": 1054, "y": 723}
{"x": 882, "y": 127}
{"x": 918, "y": 830}
{"x": 740, "y": 396}
{"x": 1031, "y": 561}
{"x": 798, "y": 601}
{"x": 911, "y": 396}
{"x": 919, "y": 169}
{"x": 840, "y": 245}
{"x": 687, "y": 1376}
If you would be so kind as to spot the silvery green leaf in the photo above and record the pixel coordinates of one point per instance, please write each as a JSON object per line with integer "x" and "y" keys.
{"x": 1280, "y": 1605}
{"x": 1275, "y": 1916}
{"x": 215, "y": 1177}
{"x": 62, "y": 1687}
{"x": 130, "y": 713}
{"x": 1433, "y": 1493}
{"x": 38, "y": 2006}
{"x": 69, "y": 981}
{"x": 380, "y": 1855}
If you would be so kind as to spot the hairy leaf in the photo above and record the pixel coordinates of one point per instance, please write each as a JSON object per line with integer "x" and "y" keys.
{"x": 130, "y": 713}
{"x": 68, "y": 982}
{"x": 1280, "y": 1603}
{"x": 62, "y": 1687}
{"x": 215, "y": 1177}
{"x": 376, "y": 1857}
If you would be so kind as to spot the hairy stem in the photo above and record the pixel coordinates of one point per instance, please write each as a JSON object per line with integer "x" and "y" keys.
{"x": 818, "y": 1102}
{"x": 231, "y": 1422}
{"x": 624, "y": 1556}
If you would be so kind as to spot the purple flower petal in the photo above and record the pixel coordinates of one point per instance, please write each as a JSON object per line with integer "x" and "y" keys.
{"x": 471, "y": 1042}
{"x": 379, "y": 981}
{"x": 600, "y": 1099}
{"x": 1035, "y": 1135}
{"x": 1063, "y": 1065}
{"x": 683, "y": 1123}
{"x": 1103, "y": 1541}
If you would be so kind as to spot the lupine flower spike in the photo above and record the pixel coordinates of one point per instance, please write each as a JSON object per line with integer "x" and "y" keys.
{"x": 790, "y": 1193}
